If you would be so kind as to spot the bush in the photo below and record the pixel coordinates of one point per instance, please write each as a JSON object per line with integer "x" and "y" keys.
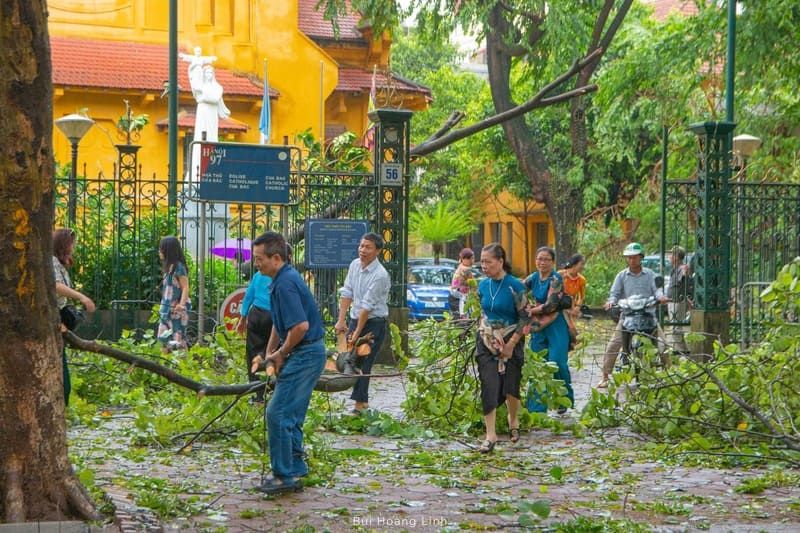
{"x": 742, "y": 401}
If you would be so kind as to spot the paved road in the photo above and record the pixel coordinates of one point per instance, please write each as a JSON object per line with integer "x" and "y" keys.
{"x": 385, "y": 484}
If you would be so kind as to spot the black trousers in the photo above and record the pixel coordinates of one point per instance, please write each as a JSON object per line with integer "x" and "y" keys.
{"x": 377, "y": 326}
{"x": 494, "y": 385}
{"x": 259, "y": 328}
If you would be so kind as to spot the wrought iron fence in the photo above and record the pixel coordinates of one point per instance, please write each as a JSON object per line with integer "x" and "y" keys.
{"x": 765, "y": 235}
{"x": 120, "y": 221}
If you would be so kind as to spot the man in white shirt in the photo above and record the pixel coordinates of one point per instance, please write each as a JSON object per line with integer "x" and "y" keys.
{"x": 366, "y": 287}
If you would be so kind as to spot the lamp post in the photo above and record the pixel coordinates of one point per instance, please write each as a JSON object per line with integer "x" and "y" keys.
{"x": 74, "y": 127}
{"x": 744, "y": 146}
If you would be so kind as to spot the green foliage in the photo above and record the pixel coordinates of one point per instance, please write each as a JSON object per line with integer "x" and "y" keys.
{"x": 772, "y": 479}
{"x": 133, "y": 124}
{"x": 443, "y": 223}
{"x": 444, "y": 390}
{"x": 341, "y": 153}
{"x": 415, "y": 57}
{"x": 697, "y": 406}
{"x": 602, "y": 246}
{"x": 106, "y": 269}
{"x": 161, "y": 496}
{"x": 600, "y": 525}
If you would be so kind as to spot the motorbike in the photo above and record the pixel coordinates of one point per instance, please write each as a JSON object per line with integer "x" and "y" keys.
{"x": 639, "y": 323}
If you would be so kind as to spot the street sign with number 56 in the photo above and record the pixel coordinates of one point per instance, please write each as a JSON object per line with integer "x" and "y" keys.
{"x": 392, "y": 174}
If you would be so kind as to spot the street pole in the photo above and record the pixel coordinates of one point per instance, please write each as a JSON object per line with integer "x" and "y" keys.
{"x": 731, "y": 62}
{"x": 172, "y": 141}
{"x": 73, "y": 186}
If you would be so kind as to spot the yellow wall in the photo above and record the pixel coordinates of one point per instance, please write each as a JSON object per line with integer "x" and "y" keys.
{"x": 241, "y": 34}
{"x": 517, "y": 223}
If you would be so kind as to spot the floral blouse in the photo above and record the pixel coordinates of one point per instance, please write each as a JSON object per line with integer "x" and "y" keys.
{"x": 171, "y": 290}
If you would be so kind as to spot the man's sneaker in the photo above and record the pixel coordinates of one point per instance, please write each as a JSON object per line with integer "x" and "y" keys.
{"x": 274, "y": 486}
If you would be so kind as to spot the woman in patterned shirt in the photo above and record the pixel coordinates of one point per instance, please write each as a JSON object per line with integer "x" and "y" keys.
{"x": 174, "y": 311}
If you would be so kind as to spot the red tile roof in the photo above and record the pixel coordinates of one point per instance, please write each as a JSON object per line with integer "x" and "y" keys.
{"x": 311, "y": 22}
{"x": 128, "y": 65}
{"x": 186, "y": 121}
{"x": 356, "y": 79}
{"x": 663, "y": 8}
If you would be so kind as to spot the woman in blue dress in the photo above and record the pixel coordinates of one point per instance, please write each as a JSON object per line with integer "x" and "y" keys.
{"x": 499, "y": 348}
{"x": 555, "y": 336}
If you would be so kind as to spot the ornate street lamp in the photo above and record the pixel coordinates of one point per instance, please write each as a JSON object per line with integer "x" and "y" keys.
{"x": 74, "y": 127}
{"x": 744, "y": 146}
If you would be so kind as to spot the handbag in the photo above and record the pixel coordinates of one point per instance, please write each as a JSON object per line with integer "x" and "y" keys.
{"x": 71, "y": 316}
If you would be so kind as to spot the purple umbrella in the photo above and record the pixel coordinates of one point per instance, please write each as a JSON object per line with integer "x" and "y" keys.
{"x": 229, "y": 248}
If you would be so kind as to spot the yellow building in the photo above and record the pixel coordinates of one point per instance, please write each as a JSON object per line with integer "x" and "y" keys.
{"x": 521, "y": 227}
{"x": 108, "y": 51}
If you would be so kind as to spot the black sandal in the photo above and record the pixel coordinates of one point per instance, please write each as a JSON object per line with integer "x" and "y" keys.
{"x": 514, "y": 432}
{"x": 487, "y": 446}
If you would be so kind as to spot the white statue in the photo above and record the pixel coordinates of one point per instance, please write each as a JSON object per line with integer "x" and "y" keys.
{"x": 196, "y": 62}
{"x": 210, "y": 106}
{"x": 208, "y": 93}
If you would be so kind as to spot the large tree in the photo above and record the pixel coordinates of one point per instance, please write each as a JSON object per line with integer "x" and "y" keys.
{"x": 36, "y": 479}
{"x": 545, "y": 37}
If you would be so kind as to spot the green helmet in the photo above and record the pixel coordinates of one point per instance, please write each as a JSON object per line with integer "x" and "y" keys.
{"x": 633, "y": 248}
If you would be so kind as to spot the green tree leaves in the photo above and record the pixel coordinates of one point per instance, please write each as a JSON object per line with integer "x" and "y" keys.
{"x": 442, "y": 223}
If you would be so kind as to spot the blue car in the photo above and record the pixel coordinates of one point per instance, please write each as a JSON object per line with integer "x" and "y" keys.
{"x": 428, "y": 291}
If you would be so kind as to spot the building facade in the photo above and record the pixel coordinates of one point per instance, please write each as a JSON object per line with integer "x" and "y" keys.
{"x": 107, "y": 52}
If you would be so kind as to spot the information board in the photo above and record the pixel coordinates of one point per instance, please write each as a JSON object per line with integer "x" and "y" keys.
{"x": 333, "y": 243}
{"x": 243, "y": 173}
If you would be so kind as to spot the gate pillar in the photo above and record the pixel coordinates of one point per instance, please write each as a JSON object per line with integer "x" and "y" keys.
{"x": 711, "y": 312}
{"x": 392, "y": 145}
{"x": 125, "y": 274}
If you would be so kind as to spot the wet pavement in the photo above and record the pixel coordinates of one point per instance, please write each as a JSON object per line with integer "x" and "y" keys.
{"x": 389, "y": 484}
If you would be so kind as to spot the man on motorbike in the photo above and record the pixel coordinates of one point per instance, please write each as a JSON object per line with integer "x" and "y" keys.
{"x": 635, "y": 280}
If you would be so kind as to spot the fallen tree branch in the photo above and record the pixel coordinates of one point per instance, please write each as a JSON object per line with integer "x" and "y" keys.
{"x": 170, "y": 375}
{"x": 540, "y": 99}
{"x": 329, "y": 382}
{"x": 790, "y": 442}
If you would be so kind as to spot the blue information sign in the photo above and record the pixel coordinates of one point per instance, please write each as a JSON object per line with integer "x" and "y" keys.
{"x": 333, "y": 243}
{"x": 244, "y": 173}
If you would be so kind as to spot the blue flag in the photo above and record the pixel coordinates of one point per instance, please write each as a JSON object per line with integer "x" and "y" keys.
{"x": 264, "y": 123}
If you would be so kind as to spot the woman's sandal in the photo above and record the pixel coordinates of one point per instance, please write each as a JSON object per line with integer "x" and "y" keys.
{"x": 487, "y": 446}
{"x": 514, "y": 434}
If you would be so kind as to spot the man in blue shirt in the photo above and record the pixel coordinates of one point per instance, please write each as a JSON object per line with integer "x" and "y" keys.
{"x": 297, "y": 351}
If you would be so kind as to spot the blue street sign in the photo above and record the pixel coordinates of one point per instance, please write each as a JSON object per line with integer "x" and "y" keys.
{"x": 244, "y": 173}
{"x": 333, "y": 243}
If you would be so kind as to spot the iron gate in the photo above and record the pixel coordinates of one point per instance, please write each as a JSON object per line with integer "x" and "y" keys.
{"x": 765, "y": 235}
{"x": 121, "y": 220}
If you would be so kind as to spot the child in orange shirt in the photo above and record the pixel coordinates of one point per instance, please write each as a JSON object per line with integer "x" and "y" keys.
{"x": 575, "y": 286}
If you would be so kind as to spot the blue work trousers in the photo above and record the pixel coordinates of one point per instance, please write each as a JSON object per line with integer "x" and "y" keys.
{"x": 555, "y": 339}
{"x": 287, "y": 409}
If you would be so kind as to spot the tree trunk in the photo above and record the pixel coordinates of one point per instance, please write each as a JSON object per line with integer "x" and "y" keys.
{"x": 557, "y": 196}
{"x": 36, "y": 479}
{"x": 566, "y": 211}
